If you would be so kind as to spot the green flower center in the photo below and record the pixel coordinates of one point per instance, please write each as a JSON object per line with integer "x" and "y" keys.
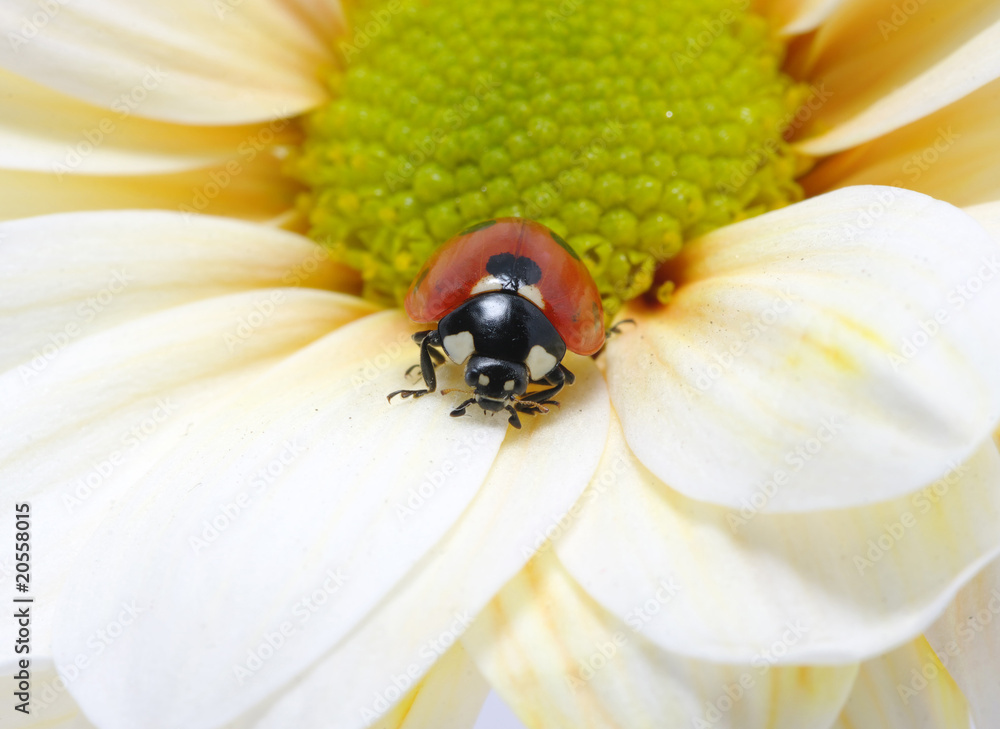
{"x": 626, "y": 128}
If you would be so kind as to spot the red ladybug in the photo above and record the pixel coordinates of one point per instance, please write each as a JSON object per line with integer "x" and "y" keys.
{"x": 509, "y": 297}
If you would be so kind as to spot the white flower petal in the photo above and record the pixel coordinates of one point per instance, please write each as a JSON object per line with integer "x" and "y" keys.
{"x": 967, "y": 640}
{"x": 842, "y": 347}
{"x": 988, "y": 216}
{"x": 536, "y": 479}
{"x": 46, "y": 131}
{"x": 825, "y": 587}
{"x": 50, "y": 706}
{"x": 63, "y": 277}
{"x": 882, "y": 65}
{"x": 951, "y": 155}
{"x": 892, "y": 692}
{"x": 798, "y": 16}
{"x": 320, "y": 467}
{"x": 563, "y": 663}
{"x": 250, "y": 187}
{"x": 449, "y": 697}
{"x": 188, "y": 61}
{"x": 76, "y": 435}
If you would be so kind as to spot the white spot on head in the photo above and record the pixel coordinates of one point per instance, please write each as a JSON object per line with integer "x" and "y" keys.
{"x": 459, "y": 346}
{"x": 484, "y": 380}
{"x": 532, "y": 294}
{"x": 540, "y": 362}
{"x": 509, "y": 385}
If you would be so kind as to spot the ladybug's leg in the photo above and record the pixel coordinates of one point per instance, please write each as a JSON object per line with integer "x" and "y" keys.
{"x": 558, "y": 377}
{"x": 460, "y": 410}
{"x": 513, "y": 419}
{"x": 435, "y": 355}
{"x": 427, "y": 340}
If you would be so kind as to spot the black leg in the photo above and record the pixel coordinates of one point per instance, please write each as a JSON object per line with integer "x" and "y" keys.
{"x": 427, "y": 340}
{"x": 460, "y": 410}
{"x": 513, "y": 419}
{"x": 558, "y": 377}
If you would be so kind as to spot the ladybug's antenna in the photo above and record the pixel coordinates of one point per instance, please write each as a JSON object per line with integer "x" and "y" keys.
{"x": 449, "y": 390}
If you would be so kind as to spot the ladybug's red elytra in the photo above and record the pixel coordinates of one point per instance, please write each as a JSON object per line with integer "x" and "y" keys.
{"x": 509, "y": 297}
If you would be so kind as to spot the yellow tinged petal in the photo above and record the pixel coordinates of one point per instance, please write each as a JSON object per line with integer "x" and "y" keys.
{"x": 249, "y": 187}
{"x": 797, "y": 16}
{"x": 966, "y": 639}
{"x": 527, "y": 495}
{"x": 988, "y": 216}
{"x": 908, "y": 688}
{"x": 77, "y": 435}
{"x": 561, "y": 662}
{"x": 46, "y": 131}
{"x": 882, "y": 64}
{"x": 742, "y": 586}
{"x": 951, "y": 154}
{"x": 63, "y": 277}
{"x": 449, "y": 696}
{"x": 187, "y": 61}
{"x": 838, "y": 352}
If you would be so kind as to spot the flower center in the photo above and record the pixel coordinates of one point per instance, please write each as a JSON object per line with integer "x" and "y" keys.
{"x": 626, "y": 128}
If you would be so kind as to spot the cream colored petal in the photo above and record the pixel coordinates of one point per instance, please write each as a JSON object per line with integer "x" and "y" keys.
{"x": 561, "y": 662}
{"x": 63, "y": 277}
{"x": 449, "y": 696}
{"x": 950, "y": 154}
{"x": 843, "y": 346}
{"x": 75, "y": 437}
{"x": 45, "y": 131}
{"x": 882, "y": 64}
{"x": 248, "y": 186}
{"x": 826, "y": 587}
{"x": 193, "y": 62}
{"x": 966, "y": 639}
{"x": 50, "y": 706}
{"x": 905, "y": 689}
{"x": 988, "y": 216}
{"x": 340, "y": 497}
{"x": 797, "y": 16}
{"x": 534, "y": 483}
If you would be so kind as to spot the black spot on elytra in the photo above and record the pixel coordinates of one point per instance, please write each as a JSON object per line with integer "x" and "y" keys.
{"x": 513, "y": 272}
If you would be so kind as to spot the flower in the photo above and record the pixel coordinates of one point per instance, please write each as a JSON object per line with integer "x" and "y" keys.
{"x": 746, "y": 513}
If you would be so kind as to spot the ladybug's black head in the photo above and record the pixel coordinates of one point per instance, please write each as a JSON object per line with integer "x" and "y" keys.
{"x": 495, "y": 381}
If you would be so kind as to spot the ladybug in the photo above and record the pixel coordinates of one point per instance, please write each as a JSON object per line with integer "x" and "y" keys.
{"x": 509, "y": 297}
